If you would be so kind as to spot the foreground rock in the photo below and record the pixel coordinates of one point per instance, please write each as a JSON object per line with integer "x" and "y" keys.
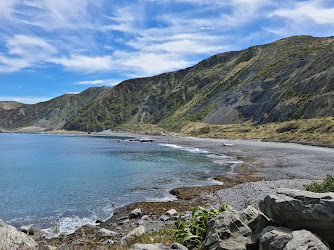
{"x": 302, "y": 210}
{"x": 275, "y": 238}
{"x": 236, "y": 230}
{"x": 11, "y": 238}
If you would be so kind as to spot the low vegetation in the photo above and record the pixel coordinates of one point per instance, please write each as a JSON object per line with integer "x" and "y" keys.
{"x": 189, "y": 232}
{"x": 317, "y": 130}
{"x": 326, "y": 186}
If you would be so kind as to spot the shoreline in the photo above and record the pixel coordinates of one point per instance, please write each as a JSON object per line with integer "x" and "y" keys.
{"x": 264, "y": 164}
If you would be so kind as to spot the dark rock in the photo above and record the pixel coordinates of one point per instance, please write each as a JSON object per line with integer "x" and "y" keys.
{"x": 302, "y": 210}
{"x": 276, "y": 238}
{"x": 136, "y": 213}
{"x": 236, "y": 230}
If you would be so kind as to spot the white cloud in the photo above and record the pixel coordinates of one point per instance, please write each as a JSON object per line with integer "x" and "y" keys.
{"x": 26, "y": 100}
{"x": 25, "y": 51}
{"x": 84, "y": 64}
{"x": 6, "y": 8}
{"x": 105, "y": 82}
{"x": 55, "y": 14}
{"x": 123, "y": 19}
{"x": 306, "y": 11}
{"x": 147, "y": 64}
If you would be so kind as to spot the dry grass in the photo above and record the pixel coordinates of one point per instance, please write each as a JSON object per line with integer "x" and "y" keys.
{"x": 317, "y": 130}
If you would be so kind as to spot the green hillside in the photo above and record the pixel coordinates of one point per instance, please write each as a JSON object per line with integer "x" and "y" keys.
{"x": 289, "y": 79}
{"x": 51, "y": 115}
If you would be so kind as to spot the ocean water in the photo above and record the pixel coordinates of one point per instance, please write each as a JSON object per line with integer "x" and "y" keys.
{"x": 66, "y": 181}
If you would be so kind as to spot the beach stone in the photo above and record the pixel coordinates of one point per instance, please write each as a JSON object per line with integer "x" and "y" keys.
{"x": 134, "y": 234}
{"x": 276, "y": 238}
{"x": 108, "y": 242}
{"x": 236, "y": 230}
{"x": 171, "y": 212}
{"x": 298, "y": 209}
{"x": 145, "y": 217}
{"x": 98, "y": 221}
{"x": 157, "y": 246}
{"x": 136, "y": 213}
{"x": 11, "y": 238}
{"x": 177, "y": 246}
{"x": 105, "y": 232}
{"x": 164, "y": 218}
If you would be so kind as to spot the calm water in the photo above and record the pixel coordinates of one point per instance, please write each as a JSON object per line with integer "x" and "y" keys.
{"x": 65, "y": 181}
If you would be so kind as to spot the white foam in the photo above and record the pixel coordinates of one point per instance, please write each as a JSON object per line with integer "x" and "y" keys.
{"x": 189, "y": 149}
{"x": 168, "y": 197}
{"x": 69, "y": 225}
{"x": 213, "y": 156}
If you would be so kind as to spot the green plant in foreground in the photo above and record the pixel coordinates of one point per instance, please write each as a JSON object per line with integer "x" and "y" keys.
{"x": 326, "y": 186}
{"x": 191, "y": 233}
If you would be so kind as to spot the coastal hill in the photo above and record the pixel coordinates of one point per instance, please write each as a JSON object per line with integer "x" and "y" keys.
{"x": 8, "y": 105}
{"x": 292, "y": 78}
{"x": 50, "y": 115}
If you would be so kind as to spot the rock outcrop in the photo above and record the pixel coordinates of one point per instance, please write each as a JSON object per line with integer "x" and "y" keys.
{"x": 275, "y": 238}
{"x": 11, "y": 238}
{"x": 236, "y": 230}
{"x": 302, "y": 210}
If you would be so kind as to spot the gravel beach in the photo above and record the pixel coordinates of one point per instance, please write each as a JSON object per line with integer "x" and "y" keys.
{"x": 265, "y": 167}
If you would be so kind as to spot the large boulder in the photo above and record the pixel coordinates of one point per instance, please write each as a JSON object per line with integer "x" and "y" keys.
{"x": 298, "y": 209}
{"x": 11, "y": 238}
{"x": 236, "y": 230}
{"x": 278, "y": 238}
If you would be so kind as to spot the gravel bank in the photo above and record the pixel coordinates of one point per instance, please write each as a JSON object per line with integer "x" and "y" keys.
{"x": 243, "y": 195}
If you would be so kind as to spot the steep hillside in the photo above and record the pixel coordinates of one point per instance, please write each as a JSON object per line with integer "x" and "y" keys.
{"x": 11, "y": 105}
{"x": 289, "y": 79}
{"x": 51, "y": 115}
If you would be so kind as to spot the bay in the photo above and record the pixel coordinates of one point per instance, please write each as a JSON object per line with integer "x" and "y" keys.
{"x": 65, "y": 181}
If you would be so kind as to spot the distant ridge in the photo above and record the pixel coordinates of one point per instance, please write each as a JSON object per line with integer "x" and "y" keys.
{"x": 291, "y": 78}
{"x": 8, "y": 105}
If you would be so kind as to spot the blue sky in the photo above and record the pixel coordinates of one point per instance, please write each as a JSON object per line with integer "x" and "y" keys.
{"x": 53, "y": 47}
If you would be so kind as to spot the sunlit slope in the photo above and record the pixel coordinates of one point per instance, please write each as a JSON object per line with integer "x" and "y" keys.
{"x": 289, "y": 79}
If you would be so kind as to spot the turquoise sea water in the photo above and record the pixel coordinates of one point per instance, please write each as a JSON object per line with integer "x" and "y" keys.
{"x": 64, "y": 181}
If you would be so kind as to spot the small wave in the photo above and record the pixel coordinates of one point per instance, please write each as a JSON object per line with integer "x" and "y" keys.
{"x": 69, "y": 225}
{"x": 167, "y": 197}
{"x": 189, "y": 149}
{"x": 213, "y": 156}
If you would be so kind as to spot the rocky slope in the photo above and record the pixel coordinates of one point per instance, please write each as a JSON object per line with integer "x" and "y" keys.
{"x": 291, "y": 78}
{"x": 51, "y": 115}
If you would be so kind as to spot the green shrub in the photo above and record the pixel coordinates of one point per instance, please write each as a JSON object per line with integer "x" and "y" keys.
{"x": 191, "y": 233}
{"x": 326, "y": 186}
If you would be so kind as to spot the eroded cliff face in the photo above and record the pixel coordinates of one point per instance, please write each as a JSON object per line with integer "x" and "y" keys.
{"x": 289, "y": 79}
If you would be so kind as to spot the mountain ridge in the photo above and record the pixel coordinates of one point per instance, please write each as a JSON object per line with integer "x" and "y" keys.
{"x": 291, "y": 78}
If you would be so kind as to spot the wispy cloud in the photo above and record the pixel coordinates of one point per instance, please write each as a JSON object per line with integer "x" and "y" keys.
{"x": 26, "y": 100}
{"x": 144, "y": 37}
{"x": 83, "y": 63}
{"x": 105, "y": 82}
